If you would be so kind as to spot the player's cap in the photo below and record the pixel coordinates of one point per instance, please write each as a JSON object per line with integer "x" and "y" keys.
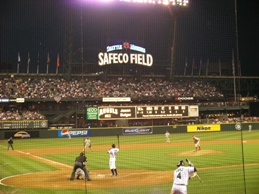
{"x": 180, "y": 163}
{"x": 113, "y": 145}
{"x": 82, "y": 153}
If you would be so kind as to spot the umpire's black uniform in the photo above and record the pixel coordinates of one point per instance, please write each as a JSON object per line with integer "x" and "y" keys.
{"x": 80, "y": 162}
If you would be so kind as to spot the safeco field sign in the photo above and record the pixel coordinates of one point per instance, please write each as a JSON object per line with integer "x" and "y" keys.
{"x": 202, "y": 128}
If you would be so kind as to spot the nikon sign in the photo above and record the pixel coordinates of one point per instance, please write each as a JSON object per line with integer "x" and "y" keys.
{"x": 112, "y": 57}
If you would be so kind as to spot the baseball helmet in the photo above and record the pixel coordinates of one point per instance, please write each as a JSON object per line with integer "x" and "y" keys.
{"x": 180, "y": 163}
{"x": 113, "y": 145}
{"x": 82, "y": 153}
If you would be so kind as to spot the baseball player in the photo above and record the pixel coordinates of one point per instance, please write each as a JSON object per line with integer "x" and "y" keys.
{"x": 196, "y": 142}
{"x": 181, "y": 178}
{"x": 167, "y": 136}
{"x": 80, "y": 162}
{"x": 112, "y": 162}
{"x": 250, "y": 128}
{"x": 80, "y": 174}
{"x": 87, "y": 144}
{"x": 10, "y": 143}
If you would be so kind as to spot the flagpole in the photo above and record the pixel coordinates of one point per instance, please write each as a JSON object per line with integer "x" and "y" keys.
{"x": 234, "y": 75}
{"x": 28, "y": 64}
{"x": 200, "y": 66}
{"x": 48, "y": 60}
{"x": 18, "y": 63}
{"x": 38, "y": 63}
{"x": 192, "y": 65}
{"x": 185, "y": 66}
{"x": 58, "y": 63}
{"x": 219, "y": 67}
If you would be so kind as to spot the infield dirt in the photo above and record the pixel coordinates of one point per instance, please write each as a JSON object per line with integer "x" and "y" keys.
{"x": 100, "y": 178}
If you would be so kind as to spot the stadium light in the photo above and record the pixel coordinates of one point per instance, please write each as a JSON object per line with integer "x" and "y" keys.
{"x": 161, "y": 2}
{"x": 170, "y": 4}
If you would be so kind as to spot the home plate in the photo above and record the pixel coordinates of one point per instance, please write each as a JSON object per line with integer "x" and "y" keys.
{"x": 100, "y": 175}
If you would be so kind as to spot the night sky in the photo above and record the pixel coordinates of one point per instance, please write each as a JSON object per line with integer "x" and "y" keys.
{"x": 205, "y": 30}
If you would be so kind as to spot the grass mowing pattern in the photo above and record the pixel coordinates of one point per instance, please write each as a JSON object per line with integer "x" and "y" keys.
{"x": 216, "y": 180}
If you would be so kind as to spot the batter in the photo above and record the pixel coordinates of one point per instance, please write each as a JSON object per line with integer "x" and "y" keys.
{"x": 112, "y": 162}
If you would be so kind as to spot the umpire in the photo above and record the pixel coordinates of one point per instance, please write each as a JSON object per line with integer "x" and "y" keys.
{"x": 10, "y": 143}
{"x": 80, "y": 162}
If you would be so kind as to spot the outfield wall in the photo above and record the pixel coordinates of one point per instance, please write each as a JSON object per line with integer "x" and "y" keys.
{"x": 45, "y": 133}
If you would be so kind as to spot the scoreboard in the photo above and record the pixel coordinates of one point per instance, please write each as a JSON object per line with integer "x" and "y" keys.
{"x": 147, "y": 112}
{"x": 24, "y": 124}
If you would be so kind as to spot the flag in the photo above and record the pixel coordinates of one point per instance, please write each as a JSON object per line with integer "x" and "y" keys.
{"x": 193, "y": 65}
{"x": 58, "y": 63}
{"x": 38, "y": 63}
{"x": 19, "y": 57}
{"x": 48, "y": 61}
{"x": 185, "y": 66}
{"x": 200, "y": 66}
{"x": 18, "y": 62}
{"x": 28, "y": 63}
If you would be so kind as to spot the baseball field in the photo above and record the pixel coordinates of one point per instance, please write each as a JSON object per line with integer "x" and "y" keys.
{"x": 227, "y": 163}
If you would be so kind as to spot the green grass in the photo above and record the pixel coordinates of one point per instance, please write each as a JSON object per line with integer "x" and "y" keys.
{"x": 235, "y": 179}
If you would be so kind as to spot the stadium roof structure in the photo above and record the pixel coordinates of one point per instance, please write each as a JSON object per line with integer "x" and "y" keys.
{"x": 163, "y": 2}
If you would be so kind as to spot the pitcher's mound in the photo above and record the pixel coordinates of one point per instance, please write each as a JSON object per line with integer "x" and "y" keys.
{"x": 198, "y": 153}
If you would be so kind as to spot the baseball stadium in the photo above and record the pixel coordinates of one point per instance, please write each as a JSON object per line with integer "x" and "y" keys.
{"x": 114, "y": 96}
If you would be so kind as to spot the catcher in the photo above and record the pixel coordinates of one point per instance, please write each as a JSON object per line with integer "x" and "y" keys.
{"x": 196, "y": 142}
{"x": 80, "y": 174}
{"x": 80, "y": 162}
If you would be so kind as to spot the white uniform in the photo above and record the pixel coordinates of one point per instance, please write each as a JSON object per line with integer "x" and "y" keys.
{"x": 181, "y": 177}
{"x": 167, "y": 136}
{"x": 250, "y": 128}
{"x": 80, "y": 173}
{"x": 112, "y": 161}
{"x": 196, "y": 141}
{"x": 87, "y": 144}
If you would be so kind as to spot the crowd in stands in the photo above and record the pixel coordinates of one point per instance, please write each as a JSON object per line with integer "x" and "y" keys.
{"x": 49, "y": 88}
{"x": 20, "y": 115}
{"x": 38, "y": 87}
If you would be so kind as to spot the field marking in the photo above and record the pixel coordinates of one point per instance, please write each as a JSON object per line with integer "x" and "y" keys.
{"x": 228, "y": 166}
{"x": 40, "y": 158}
{"x": 12, "y": 176}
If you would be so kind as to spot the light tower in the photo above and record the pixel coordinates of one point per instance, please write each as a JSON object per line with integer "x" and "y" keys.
{"x": 172, "y": 5}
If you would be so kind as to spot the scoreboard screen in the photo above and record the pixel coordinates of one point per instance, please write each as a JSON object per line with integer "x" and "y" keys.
{"x": 116, "y": 112}
{"x": 146, "y": 112}
{"x": 24, "y": 124}
{"x": 162, "y": 111}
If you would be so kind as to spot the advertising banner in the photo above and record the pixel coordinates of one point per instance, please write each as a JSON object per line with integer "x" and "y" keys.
{"x": 203, "y": 128}
{"x": 73, "y": 133}
{"x": 137, "y": 131}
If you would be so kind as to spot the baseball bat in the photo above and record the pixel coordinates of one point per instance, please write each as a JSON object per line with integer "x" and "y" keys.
{"x": 118, "y": 138}
{"x": 195, "y": 174}
{"x": 199, "y": 177}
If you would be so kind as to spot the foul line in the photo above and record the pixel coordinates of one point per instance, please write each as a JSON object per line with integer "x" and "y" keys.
{"x": 40, "y": 158}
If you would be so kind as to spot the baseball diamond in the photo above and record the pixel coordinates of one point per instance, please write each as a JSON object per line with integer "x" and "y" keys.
{"x": 59, "y": 178}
